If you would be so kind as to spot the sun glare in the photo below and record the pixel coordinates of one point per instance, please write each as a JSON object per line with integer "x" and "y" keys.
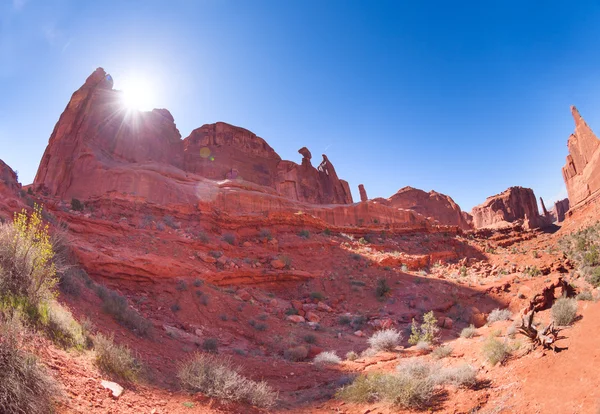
{"x": 137, "y": 94}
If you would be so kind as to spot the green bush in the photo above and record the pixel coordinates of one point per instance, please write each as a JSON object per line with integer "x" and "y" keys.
{"x": 317, "y": 296}
{"x": 426, "y": 332}
{"x": 116, "y": 360}
{"x": 219, "y": 378}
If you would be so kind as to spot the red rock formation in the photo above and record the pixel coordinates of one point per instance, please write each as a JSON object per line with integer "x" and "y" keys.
{"x": 98, "y": 146}
{"x": 582, "y": 170}
{"x": 559, "y": 210}
{"x": 512, "y": 205}
{"x": 363, "y": 193}
{"x": 9, "y": 192}
{"x": 438, "y": 206}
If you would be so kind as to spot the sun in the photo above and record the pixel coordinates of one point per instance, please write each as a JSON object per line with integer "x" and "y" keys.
{"x": 137, "y": 93}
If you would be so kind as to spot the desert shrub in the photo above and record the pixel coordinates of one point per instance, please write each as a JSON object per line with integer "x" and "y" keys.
{"x": 468, "y": 332}
{"x": 211, "y": 345}
{"x": 291, "y": 311}
{"x": 76, "y": 205}
{"x": 495, "y": 351}
{"x": 266, "y": 234}
{"x": 202, "y": 237}
{"x": 317, "y": 296}
{"x": 594, "y": 278}
{"x": 327, "y": 232}
{"x": 63, "y": 328}
{"x": 351, "y": 356}
{"x": 25, "y": 387}
{"x": 304, "y": 234}
{"x": 310, "y": 339}
{"x": 27, "y": 273}
{"x": 327, "y": 358}
{"x": 426, "y": 332}
{"x": 423, "y": 346}
{"x": 170, "y": 221}
{"x": 296, "y": 353}
{"x": 175, "y": 307}
{"x": 499, "y": 315}
{"x": 382, "y": 288}
{"x": 215, "y": 253}
{"x": 461, "y": 376}
{"x": 358, "y": 321}
{"x": 260, "y": 326}
{"x": 219, "y": 378}
{"x": 116, "y": 305}
{"x": 116, "y": 360}
{"x": 442, "y": 351}
{"x": 564, "y": 311}
{"x": 585, "y": 295}
{"x": 344, "y": 320}
{"x": 181, "y": 285}
{"x": 229, "y": 238}
{"x": 385, "y": 340}
{"x": 198, "y": 282}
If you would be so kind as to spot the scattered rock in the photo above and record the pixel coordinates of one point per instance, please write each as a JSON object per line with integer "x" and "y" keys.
{"x": 115, "y": 389}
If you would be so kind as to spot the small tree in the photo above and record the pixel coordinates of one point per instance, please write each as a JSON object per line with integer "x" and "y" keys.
{"x": 427, "y": 332}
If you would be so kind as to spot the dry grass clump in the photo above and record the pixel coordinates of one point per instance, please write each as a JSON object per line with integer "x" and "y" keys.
{"x": 385, "y": 340}
{"x": 63, "y": 328}
{"x": 495, "y": 351}
{"x": 499, "y": 315}
{"x": 219, "y": 378}
{"x": 24, "y": 385}
{"x": 442, "y": 351}
{"x": 351, "y": 356}
{"x": 413, "y": 385}
{"x": 327, "y": 358}
{"x": 469, "y": 332}
{"x": 116, "y": 360}
{"x": 564, "y": 311}
{"x": 585, "y": 295}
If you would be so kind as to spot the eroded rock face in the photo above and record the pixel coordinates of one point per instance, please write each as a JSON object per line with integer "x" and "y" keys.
{"x": 98, "y": 147}
{"x": 438, "y": 206}
{"x": 512, "y": 205}
{"x": 9, "y": 192}
{"x": 582, "y": 170}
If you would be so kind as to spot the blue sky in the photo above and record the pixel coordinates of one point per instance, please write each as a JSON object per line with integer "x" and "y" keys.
{"x": 466, "y": 98}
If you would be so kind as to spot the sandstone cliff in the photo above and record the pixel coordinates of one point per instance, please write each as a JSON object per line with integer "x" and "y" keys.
{"x": 582, "y": 170}
{"x": 98, "y": 146}
{"x": 516, "y": 204}
{"x": 9, "y": 191}
{"x": 438, "y": 206}
{"x": 559, "y": 210}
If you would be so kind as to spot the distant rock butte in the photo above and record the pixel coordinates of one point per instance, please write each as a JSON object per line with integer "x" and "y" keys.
{"x": 516, "y": 204}
{"x": 438, "y": 206}
{"x": 582, "y": 170}
{"x": 98, "y": 147}
{"x": 559, "y": 210}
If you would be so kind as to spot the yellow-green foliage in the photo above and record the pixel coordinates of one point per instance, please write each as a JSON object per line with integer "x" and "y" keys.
{"x": 26, "y": 267}
{"x": 427, "y": 332}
